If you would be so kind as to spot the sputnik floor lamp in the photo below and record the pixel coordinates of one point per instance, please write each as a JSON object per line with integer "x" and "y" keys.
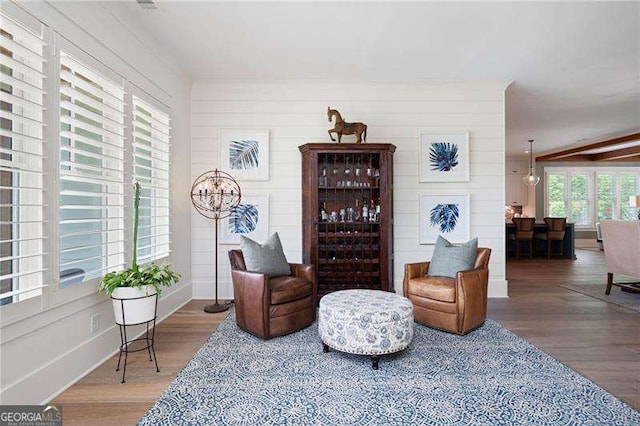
{"x": 215, "y": 195}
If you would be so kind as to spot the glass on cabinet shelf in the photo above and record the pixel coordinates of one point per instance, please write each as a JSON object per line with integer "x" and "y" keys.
{"x": 350, "y": 247}
{"x": 347, "y": 187}
{"x": 336, "y": 274}
{"x": 342, "y": 234}
{"x": 348, "y": 261}
{"x": 354, "y": 222}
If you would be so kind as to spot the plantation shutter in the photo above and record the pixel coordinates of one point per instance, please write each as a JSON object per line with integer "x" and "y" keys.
{"x": 151, "y": 142}
{"x": 21, "y": 161}
{"x": 91, "y": 173}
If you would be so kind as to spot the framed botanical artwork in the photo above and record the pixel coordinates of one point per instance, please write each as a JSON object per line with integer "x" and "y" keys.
{"x": 444, "y": 157}
{"x": 245, "y": 154}
{"x": 446, "y": 215}
{"x": 250, "y": 218}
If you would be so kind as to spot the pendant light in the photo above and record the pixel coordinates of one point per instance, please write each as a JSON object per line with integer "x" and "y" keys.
{"x": 531, "y": 179}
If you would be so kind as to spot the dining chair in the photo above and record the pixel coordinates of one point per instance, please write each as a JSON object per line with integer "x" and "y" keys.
{"x": 524, "y": 232}
{"x": 555, "y": 232}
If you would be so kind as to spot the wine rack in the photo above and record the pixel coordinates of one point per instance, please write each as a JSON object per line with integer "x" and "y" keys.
{"x": 348, "y": 215}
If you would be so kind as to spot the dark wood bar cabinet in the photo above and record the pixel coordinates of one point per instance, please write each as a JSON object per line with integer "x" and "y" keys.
{"x": 347, "y": 215}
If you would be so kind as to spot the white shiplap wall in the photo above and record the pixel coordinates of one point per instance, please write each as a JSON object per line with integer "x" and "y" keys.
{"x": 295, "y": 113}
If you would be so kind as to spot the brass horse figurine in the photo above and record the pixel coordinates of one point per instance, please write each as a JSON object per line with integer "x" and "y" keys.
{"x": 343, "y": 128}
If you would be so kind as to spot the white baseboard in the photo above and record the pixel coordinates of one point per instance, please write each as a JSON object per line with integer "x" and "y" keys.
{"x": 498, "y": 288}
{"x": 102, "y": 343}
{"x": 206, "y": 290}
{"x": 586, "y": 243}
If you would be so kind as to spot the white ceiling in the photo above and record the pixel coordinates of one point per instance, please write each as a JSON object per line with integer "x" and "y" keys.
{"x": 575, "y": 66}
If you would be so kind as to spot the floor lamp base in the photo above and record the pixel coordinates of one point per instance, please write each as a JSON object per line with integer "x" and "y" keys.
{"x": 217, "y": 307}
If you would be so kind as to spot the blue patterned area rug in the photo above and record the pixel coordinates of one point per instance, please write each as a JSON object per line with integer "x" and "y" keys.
{"x": 489, "y": 377}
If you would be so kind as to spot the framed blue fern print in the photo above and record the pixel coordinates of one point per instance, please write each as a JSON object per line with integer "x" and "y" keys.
{"x": 245, "y": 154}
{"x": 446, "y": 215}
{"x": 444, "y": 157}
{"x": 250, "y": 218}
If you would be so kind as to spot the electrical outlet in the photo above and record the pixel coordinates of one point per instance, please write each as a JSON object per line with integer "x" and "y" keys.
{"x": 95, "y": 323}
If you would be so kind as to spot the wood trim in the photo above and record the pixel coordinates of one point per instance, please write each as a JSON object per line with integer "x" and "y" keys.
{"x": 562, "y": 155}
{"x": 573, "y": 158}
{"x": 341, "y": 147}
{"x": 617, "y": 154}
{"x": 635, "y": 158}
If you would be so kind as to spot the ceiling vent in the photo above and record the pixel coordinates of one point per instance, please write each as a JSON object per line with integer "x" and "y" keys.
{"x": 147, "y": 4}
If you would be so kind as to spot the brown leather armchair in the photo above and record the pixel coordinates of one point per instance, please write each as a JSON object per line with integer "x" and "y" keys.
{"x": 457, "y": 305}
{"x": 269, "y": 307}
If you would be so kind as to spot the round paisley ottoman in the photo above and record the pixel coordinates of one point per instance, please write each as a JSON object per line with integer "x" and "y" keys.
{"x": 365, "y": 322}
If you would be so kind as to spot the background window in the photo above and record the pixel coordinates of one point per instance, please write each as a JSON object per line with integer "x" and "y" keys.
{"x": 588, "y": 195}
{"x": 606, "y": 194}
{"x": 556, "y": 195}
{"x": 629, "y": 185}
{"x": 580, "y": 202}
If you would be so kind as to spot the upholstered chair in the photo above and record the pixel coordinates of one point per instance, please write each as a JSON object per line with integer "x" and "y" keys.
{"x": 457, "y": 305}
{"x": 599, "y": 236}
{"x": 555, "y": 232}
{"x": 524, "y": 232}
{"x": 273, "y": 306}
{"x": 621, "y": 241}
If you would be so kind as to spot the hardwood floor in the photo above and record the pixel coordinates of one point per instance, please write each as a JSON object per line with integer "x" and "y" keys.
{"x": 100, "y": 398}
{"x": 597, "y": 339}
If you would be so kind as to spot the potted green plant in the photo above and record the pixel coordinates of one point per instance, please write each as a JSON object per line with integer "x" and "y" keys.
{"x": 134, "y": 291}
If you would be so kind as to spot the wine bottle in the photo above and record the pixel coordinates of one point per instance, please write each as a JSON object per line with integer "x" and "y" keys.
{"x": 372, "y": 212}
{"x": 323, "y": 181}
{"x": 323, "y": 213}
{"x": 365, "y": 210}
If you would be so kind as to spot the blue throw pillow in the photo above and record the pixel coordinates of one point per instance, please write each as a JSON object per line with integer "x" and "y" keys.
{"x": 449, "y": 259}
{"x": 267, "y": 258}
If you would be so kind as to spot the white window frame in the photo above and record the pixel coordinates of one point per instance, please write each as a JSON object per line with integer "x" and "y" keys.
{"x": 28, "y": 136}
{"x": 161, "y": 215}
{"x": 60, "y": 294}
